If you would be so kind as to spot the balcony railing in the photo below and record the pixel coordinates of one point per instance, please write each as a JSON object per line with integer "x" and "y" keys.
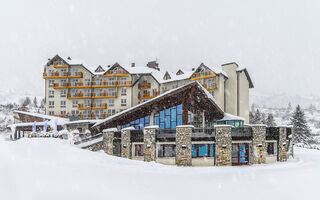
{"x": 209, "y": 86}
{"x": 104, "y": 95}
{"x": 92, "y": 106}
{"x": 61, "y": 85}
{"x": 60, "y": 65}
{"x": 63, "y": 75}
{"x": 104, "y": 84}
{"x": 202, "y": 75}
{"x": 147, "y": 95}
{"x": 117, "y": 73}
{"x": 144, "y": 85}
{"x": 124, "y": 83}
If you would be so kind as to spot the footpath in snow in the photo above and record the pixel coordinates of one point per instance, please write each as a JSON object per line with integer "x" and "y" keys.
{"x": 48, "y": 168}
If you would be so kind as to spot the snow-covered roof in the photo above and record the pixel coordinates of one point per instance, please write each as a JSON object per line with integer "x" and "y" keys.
{"x": 93, "y": 121}
{"x": 61, "y": 120}
{"x": 158, "y": 97}
{"x": 228, "y": 117}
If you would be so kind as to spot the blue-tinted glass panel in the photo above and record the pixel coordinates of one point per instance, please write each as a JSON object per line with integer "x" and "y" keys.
{"x": 179, "y": 120}
{"x": 234, "y": 151}
{"x": 174, "y": 146}
{"x": 211, "y": 150}
{"x": 203, "y": 150}
{"x": 243, "y": 153}
{"x": 168, "y": 111}
{"x": 179, "y": 109}
{"x": 162, "y": 116}
{"x": 147, "y": 119}
{"x": 161, "y": 151}
{"x": 173, "y": 125}
{"x": 137, "y": 121}
{"x": 173, "y": 114}
{"x": 194, "y": 151}
{"x": 168, "y": 150}
{"x": 156, "y": 121}
{"x": 162, "y": 125}
{"x": 168, "y": 121}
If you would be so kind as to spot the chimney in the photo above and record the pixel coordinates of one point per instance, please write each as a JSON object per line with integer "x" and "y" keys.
{"x": 69, "y": 58}
{"x": 133, "y": 64}
{"x": 192, "y": 69}
{"x": 153, "y": 65}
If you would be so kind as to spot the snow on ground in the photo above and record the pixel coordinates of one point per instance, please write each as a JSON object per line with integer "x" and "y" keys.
{"x": 51, "y": 168}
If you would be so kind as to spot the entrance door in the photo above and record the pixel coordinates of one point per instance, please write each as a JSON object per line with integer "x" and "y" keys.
{"x": 240, "y": 154}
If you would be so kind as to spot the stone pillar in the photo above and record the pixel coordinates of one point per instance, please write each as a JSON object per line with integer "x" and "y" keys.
{"x": 223, "y": 145}
{"x": 282, "y": 146}
{"x": 150, "y": 143}
{"x": 108, "y": 135}
{"x": 126, "y": 142}
{"x": 259, "y": 143}
{"x": 183, "y": 145}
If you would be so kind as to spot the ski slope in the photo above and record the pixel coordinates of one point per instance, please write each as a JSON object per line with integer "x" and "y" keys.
{"x": 52, "y": 169}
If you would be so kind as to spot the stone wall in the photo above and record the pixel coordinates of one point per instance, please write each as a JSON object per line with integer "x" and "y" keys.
{"x": 95, "y": 147}
{"x": 223, "y": 145}
{"x": 108, "y": 136}
{"x": 259, "y": 144}
{"x": 282, "y": 144}
{"x": 126, "y": 143}
{"x": 150, "y": 143}
{"x": 183, "y": 145}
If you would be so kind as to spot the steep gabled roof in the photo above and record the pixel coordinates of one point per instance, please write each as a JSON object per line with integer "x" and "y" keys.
{"x": 117, "y": 65}
{"x": 203, "y": 96}
{"x": 99, "y": 69}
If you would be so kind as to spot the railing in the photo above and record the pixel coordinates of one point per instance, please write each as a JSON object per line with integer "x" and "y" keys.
{"x": 206, "y": 131}
{"x": 124, "y": 83}
{"x": 63, "y": 75}
{"x": 61, "y": 85}
{"x": 241, "y": 132}
{"x": 89, "y": 139}
{"x": 209, "y": 87}
{"x": 201, "y": 75}
{"x": 147, "y": 95}
{"x": 144, "y": 85}
{"x": 105, "y": 95}
{"x": 117, "y": 73}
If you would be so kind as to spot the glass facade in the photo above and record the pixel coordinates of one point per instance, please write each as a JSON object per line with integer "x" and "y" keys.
{"x": 202, "y": 150}
{"x": 139, "y": 123}
{"x": 235, "y": 123}
{"x": 169, "y": 118}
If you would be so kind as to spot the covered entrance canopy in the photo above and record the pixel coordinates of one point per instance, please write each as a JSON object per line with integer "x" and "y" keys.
{"x": 192, "y": 96}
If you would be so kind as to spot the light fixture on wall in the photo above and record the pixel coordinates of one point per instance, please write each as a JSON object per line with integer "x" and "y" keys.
{"x": 224, "y": 146}
{"x": 259, "y": 145}
{"x": 183, "y": 146}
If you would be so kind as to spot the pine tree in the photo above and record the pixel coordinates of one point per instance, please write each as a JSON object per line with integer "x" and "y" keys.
{"x": 251, "y": 117}
{"x": 301, "y": 130}
{"x": 42, "y": 104}
{"x": 35, "y": 102}
{"x": 26, "y": 102}
{"x": 270, "y": 121}
{"x": 263, "y": 118}
{"x": 257, "y": 117}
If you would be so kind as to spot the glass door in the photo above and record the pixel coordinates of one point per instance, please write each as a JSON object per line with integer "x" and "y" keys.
{"x": 240, "y": 154}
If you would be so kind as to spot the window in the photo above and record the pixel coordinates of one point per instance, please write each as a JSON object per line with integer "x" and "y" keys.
{"x": 75, "y": 103}
{"x": 63, "y": 104}
{"x": 51, "y": 104}
{"x": 169, "y": 118}
{"x": 63, "y": 93}
{"x": 138, "y": 150}
{"x": 240, "y": 154}
{"x": 202, "y": 150}
{"x": 75, "y": 112}
{"x": 123, "y": 92}
{"x": 63, "y": 112}
{"x": 167, "y": 150}
{"x": 111, "y": 92}
{"x": 51, "y": 94}
{"x": 111, "y": 112}
{"x": 51, "y": 112}
{"x": 111, "y": 102}
{"x": 51, "y": 82}
{"x": 123, "y": 102}
{"x": 139, "y": 123}
{"x": 212, "y": 93}
{"x": 270, "y": 148}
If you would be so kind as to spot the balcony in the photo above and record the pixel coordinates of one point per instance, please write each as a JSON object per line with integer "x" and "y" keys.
{"x": 62, "y": 75}
{"x": 61, "y": 85}
{"x": 79, "y": 95}
{"x": 80, "y": 85}
{"x": 117, "y": 73}
{"x": 210, "y": 87}
{"x": 104, "y": 84}
{"x": 92, "y": 106}
{"x": 202, "y": 75}
{"x": 144, "y": 85}
{"x": 62, "y": 116}
{"x": 60, "y": 66}
{"x": 124, "y": 84}
{"x": 104, "y": 95}
{"x": 147, "y": 95}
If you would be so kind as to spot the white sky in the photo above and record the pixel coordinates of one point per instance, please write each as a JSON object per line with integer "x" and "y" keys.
{"x": 277, "y": 41}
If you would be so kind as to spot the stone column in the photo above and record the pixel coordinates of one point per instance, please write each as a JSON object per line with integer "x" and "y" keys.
{"x": 282, "y": 146}
{"x": 259, "y": 143}
{"x": 126, "y": 142}
{"x": 108, "y": 135}
{"x": 183, "y": 145}
{"x": 223, "y": 145}
{"x": 150, "y": 143}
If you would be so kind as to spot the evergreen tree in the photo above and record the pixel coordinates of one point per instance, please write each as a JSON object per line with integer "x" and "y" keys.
{"x": 270, "y": 120}
{"x": 26, "y": 102}
{"x": 35, "y": 102}
{"x": 263, "y": 118}
{"x": 257, "y": 117}
{"x": 251, "y": 117}
{"x": 43, "y": 103}
{"x": 301, "y": 129}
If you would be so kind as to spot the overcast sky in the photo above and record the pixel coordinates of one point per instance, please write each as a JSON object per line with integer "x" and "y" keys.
{"x": 277, "y": 41}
